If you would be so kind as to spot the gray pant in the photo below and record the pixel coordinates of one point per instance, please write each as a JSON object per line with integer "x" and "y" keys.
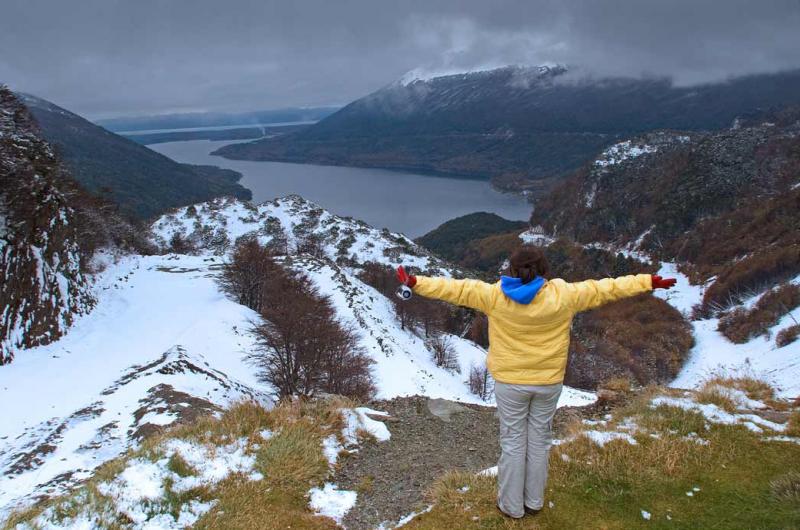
{"x": 526, "y": 420}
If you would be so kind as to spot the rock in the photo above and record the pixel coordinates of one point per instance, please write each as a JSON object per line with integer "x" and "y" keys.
{"x": 443, "y": 408}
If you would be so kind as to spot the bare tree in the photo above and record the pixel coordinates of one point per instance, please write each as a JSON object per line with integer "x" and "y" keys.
{"x": 443, "y": 353}
{"x": 478, "y": 331}
{"x": 302, "y": 349}
{"x": 480, "y": 381}
{"x": 245, "y": 276}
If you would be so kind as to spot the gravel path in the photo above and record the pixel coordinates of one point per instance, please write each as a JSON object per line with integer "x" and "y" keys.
{"x": 392, "y": 477}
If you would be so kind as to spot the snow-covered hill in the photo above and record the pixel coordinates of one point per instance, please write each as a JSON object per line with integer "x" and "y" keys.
{"x": 163, "y": 344}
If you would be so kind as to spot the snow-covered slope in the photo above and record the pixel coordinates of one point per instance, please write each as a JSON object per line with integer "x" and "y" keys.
{"x": 163, "y": 344}
{"x": 714, "y": 353}
{"x": 291, "y": 223}
{"x": 403, "y": 363}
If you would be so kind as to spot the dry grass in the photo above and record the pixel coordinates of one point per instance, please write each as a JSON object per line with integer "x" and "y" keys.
{"x": 743, "y": 482}
{"x": 715, "y": 395}
{"x": 787, "y": 336}
{"x": 617, "y": 384}
{"x": 291, "y": 461}
{"x": 752, "y": 386}
{"x": 787, "y": 487}
{"x": 793, "y": 425}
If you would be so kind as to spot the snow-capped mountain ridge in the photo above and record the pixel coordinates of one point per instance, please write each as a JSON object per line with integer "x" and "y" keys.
{"x": 422, "y": 75}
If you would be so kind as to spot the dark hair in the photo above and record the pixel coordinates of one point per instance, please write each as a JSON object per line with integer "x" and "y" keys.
{"x": 528, "y": 262}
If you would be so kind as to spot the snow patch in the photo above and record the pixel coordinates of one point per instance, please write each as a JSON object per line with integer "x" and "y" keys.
{"x": 329, "y": 501}
{"x": 618, "y": 153}
{"x": 601, "y": 438}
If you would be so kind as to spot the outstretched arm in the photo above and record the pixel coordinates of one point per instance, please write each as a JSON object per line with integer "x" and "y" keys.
{"x": 470, "y": 293}
{"x": 594, "y": 293}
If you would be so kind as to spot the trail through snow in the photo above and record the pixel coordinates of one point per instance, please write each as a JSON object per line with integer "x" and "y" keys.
{"x": 73, "y": 404}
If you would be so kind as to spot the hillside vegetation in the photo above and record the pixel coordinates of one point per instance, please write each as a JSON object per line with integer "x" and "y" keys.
{"x": 452, "y": 239}
{"x": 142, "y": 182}
{"x": 721, "y": 204}
{"x": 660, "y": 458}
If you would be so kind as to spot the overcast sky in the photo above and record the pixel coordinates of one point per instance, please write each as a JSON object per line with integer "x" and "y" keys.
{"x": 104, "y": 58}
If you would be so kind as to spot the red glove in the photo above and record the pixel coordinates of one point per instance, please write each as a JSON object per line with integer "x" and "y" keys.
{"x": 662, "y": 283}
{"x": 405, "y": 278}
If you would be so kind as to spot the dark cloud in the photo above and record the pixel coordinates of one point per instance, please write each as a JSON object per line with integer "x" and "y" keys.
{"x": 108, "y": 57}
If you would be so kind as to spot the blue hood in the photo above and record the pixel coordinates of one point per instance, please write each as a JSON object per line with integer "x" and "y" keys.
{"x": 522, "y": 293}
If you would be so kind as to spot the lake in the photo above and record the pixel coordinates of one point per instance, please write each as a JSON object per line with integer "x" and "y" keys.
{"x": 403, "y": 202}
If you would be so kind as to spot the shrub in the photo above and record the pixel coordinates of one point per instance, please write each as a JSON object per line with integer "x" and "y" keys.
{"x": 787, "y": 336}
{"x": 245, "y": 276}
{"x": 478, "y": 331}
{"x": 443, "y": 353}
{"x": 432, "y": 316}
{"x": 178, "y": 244}
{"x": 760, "y": 270}
{"x": 740, "y": 325}
{"x": 480, "y": 381}
{"x": 302, "y": 349}
{"x": 643, "y": 339}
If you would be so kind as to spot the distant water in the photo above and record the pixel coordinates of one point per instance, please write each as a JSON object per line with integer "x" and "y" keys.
{"x": 215, "y": 128}
{"x": 404, "y": 202}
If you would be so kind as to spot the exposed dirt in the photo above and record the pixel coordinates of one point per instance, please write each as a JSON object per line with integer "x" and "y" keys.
{"x": 392, "y": 477}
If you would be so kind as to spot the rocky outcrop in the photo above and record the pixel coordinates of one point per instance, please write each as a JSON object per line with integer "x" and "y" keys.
{"x": 42, "y": 284}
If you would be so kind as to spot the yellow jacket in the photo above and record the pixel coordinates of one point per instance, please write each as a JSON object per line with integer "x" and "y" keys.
{"x": 528, "y": 344}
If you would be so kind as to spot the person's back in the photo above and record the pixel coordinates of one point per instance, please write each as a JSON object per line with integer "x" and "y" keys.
{"x": 529, "y": 339}
{"x": 529, "y": 327}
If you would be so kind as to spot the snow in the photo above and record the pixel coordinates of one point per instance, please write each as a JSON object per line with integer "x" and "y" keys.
{"x": 714, "y": 414}
{"x": 536, "y": 236}
{"x": 294, "y": 218}
{"x": 153, "y": 313}
{"x": 490, "y": 472}
{"x": 140, "y": 494}
{"x": 683, "y": 296}
{"x": 406, "y": 519}
{"x": 601, "y": 438}
{"x": 714, "y": 354}
{"x": 622, "y": 151}
{"x": 332, "y": 502}
{"x": 423, "y": 75}
{"x": 357, "y": 419}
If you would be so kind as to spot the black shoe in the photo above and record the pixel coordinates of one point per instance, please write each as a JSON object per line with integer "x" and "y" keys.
{"x": 531, "y": 511}
{"x": 499, "y": 509}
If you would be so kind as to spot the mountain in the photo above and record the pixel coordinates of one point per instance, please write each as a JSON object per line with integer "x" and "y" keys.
{"x": 215, "y": 119}
{"x": 724, "y": 204}
{"x": 142, "y": 182}
{"x": 452, "y": 239}
{"x": 522, "y": 127}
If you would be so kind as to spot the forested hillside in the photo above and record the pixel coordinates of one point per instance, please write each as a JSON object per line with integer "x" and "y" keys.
{"x": 142, "y": 182}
